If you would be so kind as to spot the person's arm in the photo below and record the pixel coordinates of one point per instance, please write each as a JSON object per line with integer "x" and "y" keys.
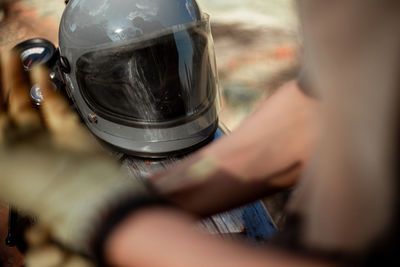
{"x": 165, "y": 237}
{"x": 266, "y": 154}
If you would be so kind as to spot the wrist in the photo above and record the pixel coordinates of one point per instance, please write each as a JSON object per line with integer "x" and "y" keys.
{"x": 135, "y": 239}
{"x": 114, "y": 217}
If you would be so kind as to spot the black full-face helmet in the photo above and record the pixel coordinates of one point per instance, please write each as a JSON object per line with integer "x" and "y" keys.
{"x": 141, "y": 73}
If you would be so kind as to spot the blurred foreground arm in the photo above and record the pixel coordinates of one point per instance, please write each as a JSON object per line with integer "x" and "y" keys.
{"x": 266, "y": 154}
{"x": 81, "y": 199}
{"x": 167, "y": 238}
{"x": 52, "y": 168}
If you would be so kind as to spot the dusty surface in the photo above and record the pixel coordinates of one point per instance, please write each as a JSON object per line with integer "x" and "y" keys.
{"x": 255, "y": 40}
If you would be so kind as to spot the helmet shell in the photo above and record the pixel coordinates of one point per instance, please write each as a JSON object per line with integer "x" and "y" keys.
{"x": 91, "y": 25}
{"x": 88, "y": 23}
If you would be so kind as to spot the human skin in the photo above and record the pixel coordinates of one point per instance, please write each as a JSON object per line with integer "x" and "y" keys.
{"x": 8, "y": 256}
{"x": 177, "y": 227}
{"x": 266, "y": 154}
{"x": 162, "y": 237}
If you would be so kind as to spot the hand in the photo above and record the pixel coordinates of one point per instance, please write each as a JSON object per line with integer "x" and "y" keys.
{"x": 51, "y": 167}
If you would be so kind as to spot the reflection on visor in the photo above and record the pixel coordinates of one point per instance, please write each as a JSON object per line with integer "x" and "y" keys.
{"x": 165, "y": 79}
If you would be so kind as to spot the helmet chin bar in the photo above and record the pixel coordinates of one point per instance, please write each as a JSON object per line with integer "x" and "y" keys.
{"x": 156, "y": 143}
{"x": 168, "y": 149}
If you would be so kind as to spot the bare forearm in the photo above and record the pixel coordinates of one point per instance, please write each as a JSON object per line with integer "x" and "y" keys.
{"x": 266, "y": 154}
{"x": 167, "y": 238}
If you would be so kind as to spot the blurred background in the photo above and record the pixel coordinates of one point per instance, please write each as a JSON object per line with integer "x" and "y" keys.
{"x": 256, "y": 44}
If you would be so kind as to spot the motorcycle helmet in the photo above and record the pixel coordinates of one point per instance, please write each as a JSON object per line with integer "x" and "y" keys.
{"x": 141, "y": 73}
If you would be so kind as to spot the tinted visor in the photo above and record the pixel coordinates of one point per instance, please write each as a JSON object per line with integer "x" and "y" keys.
{"x": 168, "y": 78}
